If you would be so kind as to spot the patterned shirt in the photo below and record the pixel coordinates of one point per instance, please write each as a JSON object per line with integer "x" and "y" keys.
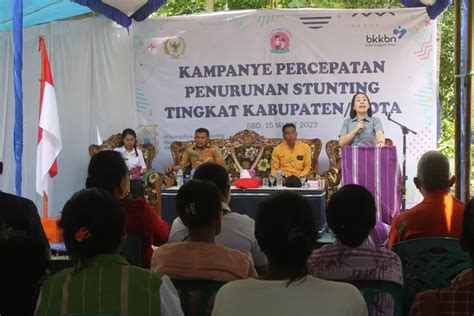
{"x": 367, "y": 136}
{"x": 108, "y": 284}
{"x": 202, "y": 260}
{"x": 365, "y": 262}
{"x": 455, "y": 301}
{"x": 438, "y": 215}
{"x": 194, "y": 156}
{"x": 294, "y": 161}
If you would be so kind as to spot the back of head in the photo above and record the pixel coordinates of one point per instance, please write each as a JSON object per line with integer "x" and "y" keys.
{"x": 351, "y": 214}
{"x": 214, "y": 173}
{"x": 93, "y": 223}
{"x": 467, "y": 235}
{"x": 433, "y": 171}
{"x": 198, "y": 203}
{"x": 106, "y": 171}
{"x": 285, "y": 228}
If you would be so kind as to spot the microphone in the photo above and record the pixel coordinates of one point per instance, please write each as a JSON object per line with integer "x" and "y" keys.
{"x": 387, "y": 114}
{"x": 360, "y": 130}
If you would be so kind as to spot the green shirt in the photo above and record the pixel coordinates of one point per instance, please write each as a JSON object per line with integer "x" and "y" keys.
{"x": 105, "y": 284}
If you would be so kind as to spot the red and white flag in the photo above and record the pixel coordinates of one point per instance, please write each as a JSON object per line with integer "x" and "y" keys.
{"x": 49, "y": 135}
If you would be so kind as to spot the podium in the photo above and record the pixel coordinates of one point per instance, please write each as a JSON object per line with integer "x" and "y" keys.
{"x": 378, "y": 171}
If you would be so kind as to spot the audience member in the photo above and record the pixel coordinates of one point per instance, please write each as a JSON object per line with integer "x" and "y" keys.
{"x": 134, "y": 160}
{"x": 440, "y": 213}
{"x": 199, "y": 152}
{"x": 237, "y": 229}
{"x": 351, "y": 215}
{"x": 199, "y": 208}
{"x": 459, "y": 299}
{"x": 107, "y": 170}
{"x": 23, "y": 264}
{"x": 292, "y": 156}
{"x": 286, "y": 231}
{"x": 20, "y": 217}
{"x": 102, "y": 281}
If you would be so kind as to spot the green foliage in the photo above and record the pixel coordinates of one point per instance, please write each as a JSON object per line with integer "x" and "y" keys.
{"x": 446, "y": 74}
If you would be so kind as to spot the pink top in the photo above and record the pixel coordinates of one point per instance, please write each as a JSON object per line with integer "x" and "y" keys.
{"x": 201, "y": 260}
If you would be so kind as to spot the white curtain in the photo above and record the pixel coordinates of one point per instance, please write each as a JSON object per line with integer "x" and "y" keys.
{"x": 92, "y": 66}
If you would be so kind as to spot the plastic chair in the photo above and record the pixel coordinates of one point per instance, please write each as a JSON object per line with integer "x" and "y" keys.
{"x": 430, "y": 263}
{"x": 197, "y": 296}
{"x": 132, "y": 251}
{"x": 370, "y": 288}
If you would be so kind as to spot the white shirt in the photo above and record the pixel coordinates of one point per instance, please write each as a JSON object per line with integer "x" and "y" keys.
{"x": 131, "y": 158}
{"x": 237, "y": 233}
{"x": 170, "y": 303}
{"x": 312, "y": 296}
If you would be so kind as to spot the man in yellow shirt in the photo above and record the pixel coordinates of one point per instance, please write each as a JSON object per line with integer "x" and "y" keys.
{"x": 199, "y": 152}
{"x": 292, "y": 156}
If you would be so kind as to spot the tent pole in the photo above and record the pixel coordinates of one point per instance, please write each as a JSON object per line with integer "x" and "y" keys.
{"x": 457, "y": 92}
{"x": 469, "y": 97}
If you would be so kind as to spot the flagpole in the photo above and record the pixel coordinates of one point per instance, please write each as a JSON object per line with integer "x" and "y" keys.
{"x": 45, "y": 205}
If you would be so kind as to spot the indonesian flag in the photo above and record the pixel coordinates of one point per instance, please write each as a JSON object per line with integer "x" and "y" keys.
{"x": 49, "y": 135}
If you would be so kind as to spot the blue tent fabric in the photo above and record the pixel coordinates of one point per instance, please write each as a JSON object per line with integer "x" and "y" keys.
{"x": 118, "y": 16}
{"x": 433, "y": 11}
{"x": 40, "y": 11}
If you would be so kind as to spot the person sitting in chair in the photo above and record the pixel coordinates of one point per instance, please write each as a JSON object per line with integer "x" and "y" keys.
{"x": 292, "y": 156}
{"x": 440, "y": 213}
{"x": 351, "y": 215}
{"x": 102, "y": 281}
{"x": 199, "y": 257}
{"x": 285, "y": 229}
{"x": 199, "y": 152}
{"x": 459, "y": 299}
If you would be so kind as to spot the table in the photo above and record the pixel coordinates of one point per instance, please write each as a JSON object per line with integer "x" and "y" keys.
{"x": 245, "y": 201}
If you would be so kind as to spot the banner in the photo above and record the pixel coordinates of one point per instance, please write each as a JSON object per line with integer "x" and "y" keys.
{"x": 260, "y": 69}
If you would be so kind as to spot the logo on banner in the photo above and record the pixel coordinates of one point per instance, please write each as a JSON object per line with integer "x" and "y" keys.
{"x": 280, "y": 42}
{"x": 385, "y": 39}
{"x": 174, "y": 46}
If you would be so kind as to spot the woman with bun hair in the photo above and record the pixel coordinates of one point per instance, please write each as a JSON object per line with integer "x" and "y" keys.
{"x": 107, "y": 170}
{"x": 102, "y": 281}
{"x": 285, "y": 228}
{"x": 351, "y": 215}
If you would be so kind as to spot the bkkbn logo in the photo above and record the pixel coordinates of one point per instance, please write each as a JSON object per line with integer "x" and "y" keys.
{"x": 380, "y": 39}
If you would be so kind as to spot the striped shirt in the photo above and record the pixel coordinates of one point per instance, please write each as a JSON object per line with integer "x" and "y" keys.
{"x": 107, "y": 284}
{"x": 365, "y": 262}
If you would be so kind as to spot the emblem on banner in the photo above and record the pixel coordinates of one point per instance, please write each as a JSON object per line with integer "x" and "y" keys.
{"x": 174, "y": 46}
{"x": 280, "y": 42}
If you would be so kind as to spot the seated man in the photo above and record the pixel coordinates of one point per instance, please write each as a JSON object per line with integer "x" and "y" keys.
{"x": 459, "y": 299}
{"x": 351, "y": 216}
{"x": 20, "y": 217}
{"x": 237, "y": 229}
{"x": 292, "y": 156}
{"x": 201, "y": 151}
{"x": 440, "y": 213}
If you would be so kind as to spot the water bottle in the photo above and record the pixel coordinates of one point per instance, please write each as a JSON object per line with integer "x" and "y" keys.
{"x": 179, "y": 178}
{"x": 279, "y": 178}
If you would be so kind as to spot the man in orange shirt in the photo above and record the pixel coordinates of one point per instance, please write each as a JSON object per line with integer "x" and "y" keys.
{"x": 439, "y": 214}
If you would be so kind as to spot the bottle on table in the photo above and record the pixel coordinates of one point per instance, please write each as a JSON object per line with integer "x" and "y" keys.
{"x": 279, "y": 178}
{"x": 179, "y": 178}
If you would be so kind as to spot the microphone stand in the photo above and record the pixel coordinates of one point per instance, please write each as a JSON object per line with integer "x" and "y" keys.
{"x": 405, "y": 131}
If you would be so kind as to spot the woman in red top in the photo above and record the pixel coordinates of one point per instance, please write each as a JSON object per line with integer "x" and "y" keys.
{"x": 107, "y": 170}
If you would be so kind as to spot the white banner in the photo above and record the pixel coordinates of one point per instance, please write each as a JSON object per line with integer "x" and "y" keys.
{"x": 260, "y": 69}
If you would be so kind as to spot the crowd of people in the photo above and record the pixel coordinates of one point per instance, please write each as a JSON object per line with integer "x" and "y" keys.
{"x": 271, "y": 265}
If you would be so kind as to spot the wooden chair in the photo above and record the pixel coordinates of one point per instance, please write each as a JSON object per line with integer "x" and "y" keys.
{"x": 197, "y": 296}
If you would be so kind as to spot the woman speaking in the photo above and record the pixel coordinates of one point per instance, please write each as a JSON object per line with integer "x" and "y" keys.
{"x": 361, "y": 129}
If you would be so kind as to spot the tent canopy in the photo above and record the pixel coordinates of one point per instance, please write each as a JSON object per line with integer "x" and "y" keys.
{"x": 42, "y": 11}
